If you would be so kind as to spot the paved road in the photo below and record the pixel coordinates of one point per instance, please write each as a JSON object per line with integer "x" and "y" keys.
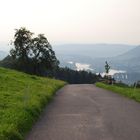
{"x": 85, "y": 112}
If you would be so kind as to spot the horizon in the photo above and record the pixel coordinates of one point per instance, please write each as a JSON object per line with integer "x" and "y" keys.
{"x": 5, "y": 47}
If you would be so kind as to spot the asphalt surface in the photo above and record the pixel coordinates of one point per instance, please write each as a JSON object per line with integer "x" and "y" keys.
{"x": 85, "y": 112}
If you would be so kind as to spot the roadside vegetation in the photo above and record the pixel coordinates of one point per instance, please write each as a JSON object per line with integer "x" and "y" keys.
{"x": 131, "y": 92}
{"x": 22, "y": 98}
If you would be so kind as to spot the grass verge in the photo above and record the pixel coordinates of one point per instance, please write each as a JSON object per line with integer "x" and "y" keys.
{"x": 122, "y": 89}
{"x": 22, "y": 98}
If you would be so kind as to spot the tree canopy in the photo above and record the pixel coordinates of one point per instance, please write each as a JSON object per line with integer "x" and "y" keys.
{"x": 33, "y": 54}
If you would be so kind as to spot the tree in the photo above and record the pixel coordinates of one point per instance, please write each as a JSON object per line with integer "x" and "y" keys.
{"x": 107, "y": 67}
{"x": 22, "y": 43}
{"x": 33, "y": 55}
{"x": 109, "y": 78}
{"x": 42, "y": 55}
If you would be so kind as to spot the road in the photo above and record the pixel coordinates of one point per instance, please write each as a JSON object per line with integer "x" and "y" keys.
{"x": 85, "y": 112}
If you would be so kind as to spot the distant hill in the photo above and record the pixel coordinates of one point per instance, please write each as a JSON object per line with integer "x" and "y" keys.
{"x": 129, "y": 60}
{"x": 120, "y": 57}
{"x": 87, "y": 53}
{"x": 3, "y": 55}
{"x": 4, "y": 49}
{"x": 131, "y": 54}
{"x": 92, "y": 50}
{"x": 93, "y": 54}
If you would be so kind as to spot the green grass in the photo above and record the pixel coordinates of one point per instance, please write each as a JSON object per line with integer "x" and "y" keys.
{"x": 22, "y": 99}
{"x": 122, "y": 89}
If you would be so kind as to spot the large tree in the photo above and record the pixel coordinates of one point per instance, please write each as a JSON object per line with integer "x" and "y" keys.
{"x": 42, "y": 55}
{"x": 33, "y": 55}
{"x": 22, "y": 43}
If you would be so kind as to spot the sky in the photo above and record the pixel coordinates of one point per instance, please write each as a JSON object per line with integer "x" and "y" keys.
{"x": 73, "y": 21}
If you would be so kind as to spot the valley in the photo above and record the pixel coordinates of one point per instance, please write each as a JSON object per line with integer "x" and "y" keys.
{"x": 123, "y": 59}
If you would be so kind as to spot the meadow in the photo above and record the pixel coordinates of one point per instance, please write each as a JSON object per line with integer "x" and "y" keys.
{"x": 130, "y": 92}
{"x": 22, "y": 99}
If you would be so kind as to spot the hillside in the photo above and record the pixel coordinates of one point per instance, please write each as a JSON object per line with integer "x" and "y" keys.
{"x": 131, "y": 54}
{"x": 123, "y": 58}
{"x": 3, "y": 54}
{"x": 92, "y": 50}
{"x": 92, "y": 54}
{"x": 97, "y": 54}
{"x": 22, "y": 98}
{"x": 129, "y": 61}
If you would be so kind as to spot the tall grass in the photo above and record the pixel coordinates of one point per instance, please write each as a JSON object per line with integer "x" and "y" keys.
{"x": 22, "y": 98}
{"x": 133, "y": 93}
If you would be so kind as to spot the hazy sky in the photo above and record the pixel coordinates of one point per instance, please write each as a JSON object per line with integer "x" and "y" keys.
{"x": 73, "y": 21}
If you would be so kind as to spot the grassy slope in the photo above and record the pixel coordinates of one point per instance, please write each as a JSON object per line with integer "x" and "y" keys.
{"x": 22, "y": 98}
{"x": 123, "y": 90}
